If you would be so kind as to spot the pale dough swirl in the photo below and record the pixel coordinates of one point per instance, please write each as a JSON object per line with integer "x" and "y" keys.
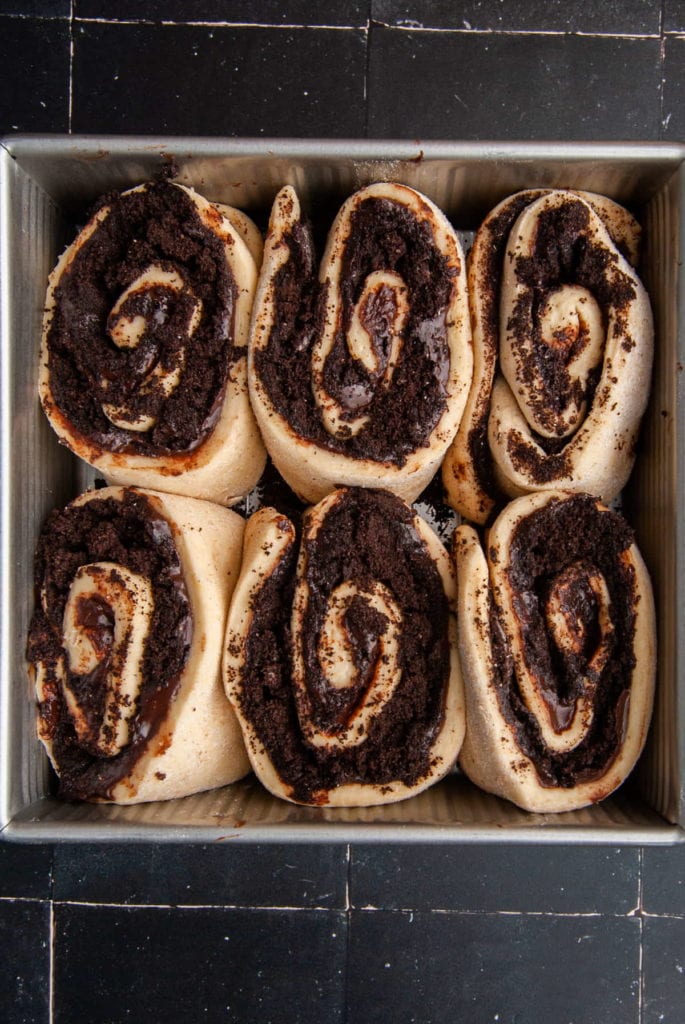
{"x": 558, "y": 647}
{"x": 341, "y": 658}
{"x": 359, "y": 376}
{"x": 125, "y": 646}
{"x": 563, "y": 343}
{"x": 143, "y": 365}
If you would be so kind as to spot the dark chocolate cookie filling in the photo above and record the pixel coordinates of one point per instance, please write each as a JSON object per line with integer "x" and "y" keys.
{"x": 569, "y": 538}
{"x": 564, "y": 254}
{"x": 368, "y": 535}
{"x": 130, "y": 533}
{"x": 490, "y": 282}
{"x": 383, "y": 236}
{"x": 157, "y": 226}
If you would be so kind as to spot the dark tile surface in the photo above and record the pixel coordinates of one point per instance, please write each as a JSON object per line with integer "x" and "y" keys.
{"x": 235, "y": 81}
{"x": 34, "y": 56}
{"x": 512, "y": 86}
{"x": 463, "y": 968}
{"x": 36, "y": 8}
{"x": 25, "y": 871}
{"x": 259, "y": 876}
{"x": 202, "y": 965}
{"x": 674, "y": 16}
{"x": 663, "y": 880}
{"x": 664, "y": 970}
{"x": 491, "y": 878}
{"x": 266, "y": 12}
{"x": 615, "y": 16}
{"x": 25, "y": 962}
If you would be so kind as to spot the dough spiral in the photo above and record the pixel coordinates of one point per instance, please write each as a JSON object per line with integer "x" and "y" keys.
{"x": 563, "y": 342}
{"x": 341, "y": 657}
{"x": 143, "y": 365}
{"x": 360, "y": 377}
{"x": 557, "y": 642}
{"x": 125, "y": 646}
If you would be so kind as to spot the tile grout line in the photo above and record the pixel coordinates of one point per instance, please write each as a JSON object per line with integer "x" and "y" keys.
{"x": 348, "y": 930}
{"x": 51, "y": 981}
{"x": 367, "y": 909}
{"x": 105, "y": 904}
{"x": 348, "y": 908}
{"x": 641, "y": 919}
{"x": 71, "y": 65}
{"x": 51, "y": 934}
{"x": 662, "y": 68}
{"x": 348, "y": 886}
{"x": 450, "y": 911}
{"x": 163, "y": 23}
{"x": 192, "y": 23}
{"x": 24, "y": 899}
{"x": 463, "y": 31}
{"x": 35, "y": 17}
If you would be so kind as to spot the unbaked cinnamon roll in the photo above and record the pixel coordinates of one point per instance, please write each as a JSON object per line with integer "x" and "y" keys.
{"x": 341, "y": 658}
{"x": 143, "y": 367}
{"x": 359, "y": 376}
{"x": 557, "y": 643}
{"x": 563, "y": 341}
{"x": 125, "y": 646}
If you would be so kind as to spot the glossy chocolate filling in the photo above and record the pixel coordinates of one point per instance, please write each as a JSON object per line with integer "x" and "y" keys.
{"x": 368, "y": 535}
{"x": 159, "y": 226}
{"x": 402, "y": 416}
{"x": 569, "y": 533}
{"x": 130, "y": 533}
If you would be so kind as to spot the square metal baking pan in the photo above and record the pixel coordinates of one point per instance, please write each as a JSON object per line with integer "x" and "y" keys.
{"x": 47, "y": 184}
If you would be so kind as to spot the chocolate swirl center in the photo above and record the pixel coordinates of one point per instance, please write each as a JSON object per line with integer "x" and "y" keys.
{"x": 140, "y": 342}
{"x": 106, "y": 624}
{"x": 151, "y": 324}
{"x": 347, "y": 661}
{"x": 563, "y": 291}
{"x": 359, "y": 362}
{"x": 347, "y": 670}
{"x": 109, "y": 638}
{"x": 568, "y": 611}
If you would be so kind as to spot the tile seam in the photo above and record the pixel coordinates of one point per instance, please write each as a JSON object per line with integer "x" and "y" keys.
{"x": 167, "y": 23}
{"x": 368, "y": 909}
{"x": 164, "y": 23}
{"x": 640, "y": 916}
{"x": 640, "y": 976}
{"x": 24, "y": 899}
{"x": 348, "y": 923}
{"x": 640, "y": 882}
{"x": 36, "y": 17}
{"x": 447, "y": 912}
{"x": 51, "y": 980}
{"x": 348, "y": 877}
{"x": 438, "y": 29}
{"x": 98, "y": 904}
{"x": 51, "y": 876}
{"x": 71, "y": 67}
